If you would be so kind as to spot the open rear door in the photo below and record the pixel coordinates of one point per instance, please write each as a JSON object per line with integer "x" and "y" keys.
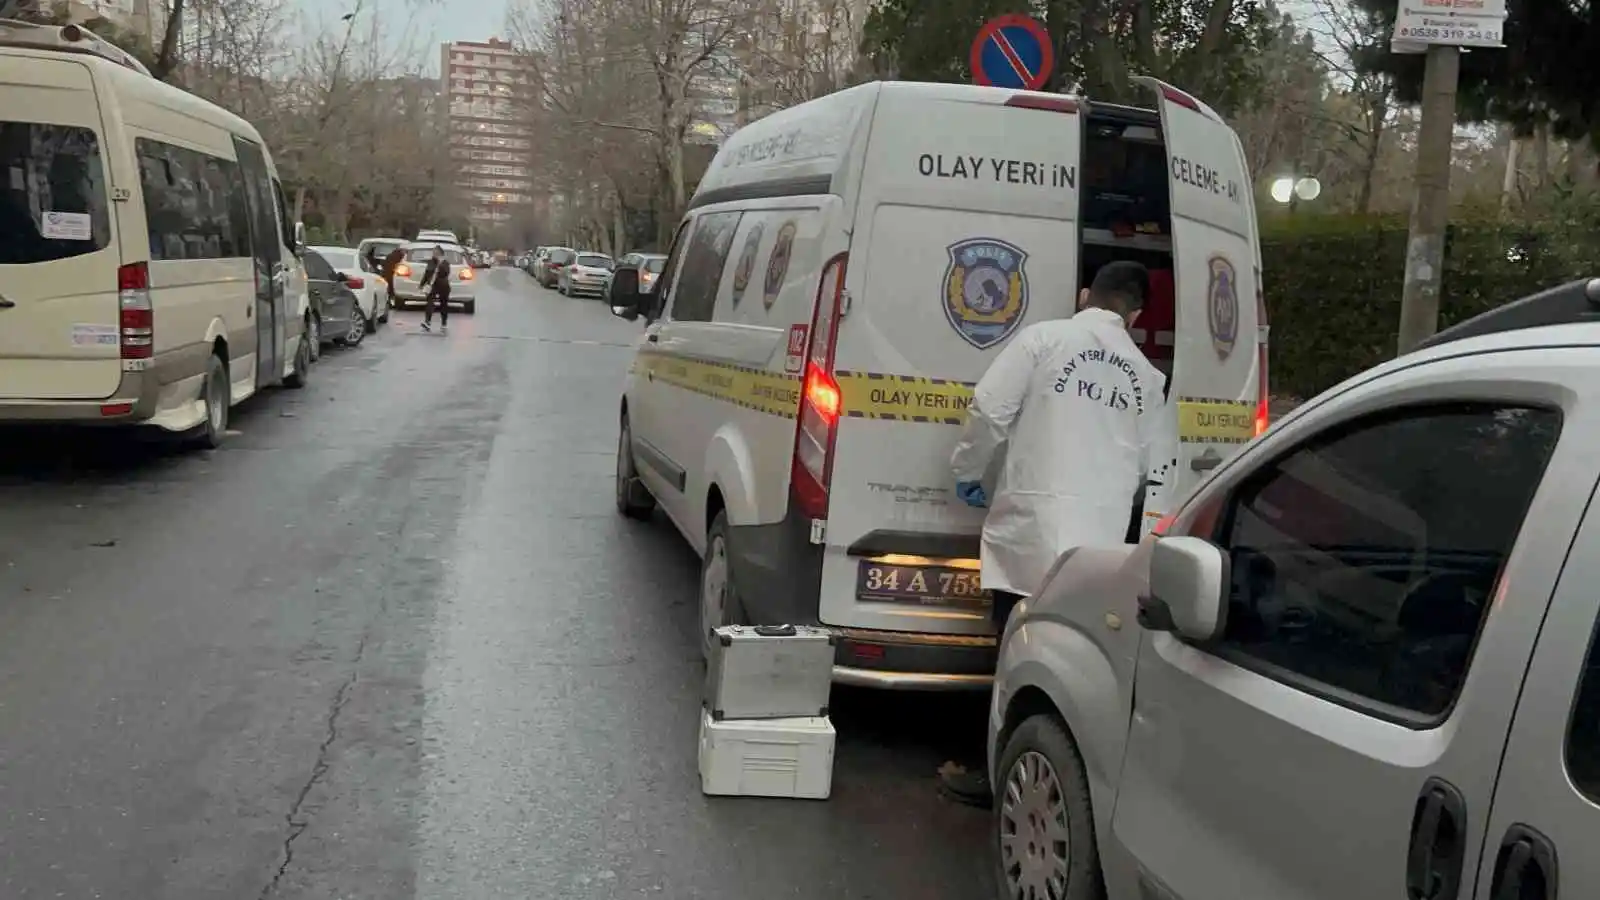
{"x": 1218, "y": 366}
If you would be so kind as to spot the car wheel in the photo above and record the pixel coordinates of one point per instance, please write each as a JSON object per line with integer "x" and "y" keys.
{"x": 1043, "y": 821}
{"x": 633, "y": 498}
{"x": 369, "y": 324}
{"x": 358, "y": 328}
{"x": 215, "y": 394}
{"x": 302, "y": 365}
{"x": 387, "y": 308}
{"x": 719, "y": 601}
{"x": 314, "y": 335}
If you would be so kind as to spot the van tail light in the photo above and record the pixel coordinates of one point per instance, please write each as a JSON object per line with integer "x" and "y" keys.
{"x": 466, "y": 274}
{"x": 355, "y": 282}
{"x": 137, "y": 317}
{"x": 1263, "y": 389}
{"x": 820, "y": 399}
{"x": 1164, "y": 524}
{"x": 402, "y": 271}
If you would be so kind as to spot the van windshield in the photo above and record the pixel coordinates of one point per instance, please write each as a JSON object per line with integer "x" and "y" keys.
{"x": 52, "y": 193}
{"x": 1124, "y": 182}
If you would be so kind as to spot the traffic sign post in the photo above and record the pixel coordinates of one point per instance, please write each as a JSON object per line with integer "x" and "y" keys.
{"x": 1012, "y": 51}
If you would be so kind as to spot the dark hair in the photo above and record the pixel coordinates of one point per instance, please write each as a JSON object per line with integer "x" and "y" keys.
{"x": 1120, "y": 286}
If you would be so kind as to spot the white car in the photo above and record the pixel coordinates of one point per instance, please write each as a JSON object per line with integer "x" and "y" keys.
{"x": 1360, "y": 660}
{"x": 369, "y": 287}
{"x": 408, "y": 276}
{"x": 589, "y": 275}
{"x": 811, "y": 344}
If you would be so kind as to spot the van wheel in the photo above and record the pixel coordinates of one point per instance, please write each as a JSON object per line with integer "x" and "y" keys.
{"x": 302, "y": 365}
{"x": 1043, "y": 822}
{"x": 215, "y": 394}
{"x": 719, "y": 601}
{"x": 633, "y": 498}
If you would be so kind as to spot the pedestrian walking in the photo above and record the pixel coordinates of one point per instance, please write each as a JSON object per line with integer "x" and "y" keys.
{"x": 1076, "y": 405}
{"x": 436, "y": 284}
{"x": 390, "y": 264}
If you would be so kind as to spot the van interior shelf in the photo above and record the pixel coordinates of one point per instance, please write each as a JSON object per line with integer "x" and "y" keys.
{"x": 1103, "y": 237}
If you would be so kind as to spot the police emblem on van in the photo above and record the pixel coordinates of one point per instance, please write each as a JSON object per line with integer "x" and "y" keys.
{"x": 778, "y": 264}
{"x": 985, "y": 290}
{"x": 1222, "y": 306}
{"x": 747, "y": 263}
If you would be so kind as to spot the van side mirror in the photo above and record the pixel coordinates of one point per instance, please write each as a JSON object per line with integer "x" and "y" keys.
{"x": 299, "y": 235}
{"x": 1190, "y": 579}
{"x": 623, "y": 293}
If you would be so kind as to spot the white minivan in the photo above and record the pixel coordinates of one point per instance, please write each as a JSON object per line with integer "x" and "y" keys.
{"x": 147, "y": 273}
{"x": 848, "y": 269}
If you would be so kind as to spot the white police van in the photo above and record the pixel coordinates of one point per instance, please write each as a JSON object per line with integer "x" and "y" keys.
{"x": 848, "y": 269}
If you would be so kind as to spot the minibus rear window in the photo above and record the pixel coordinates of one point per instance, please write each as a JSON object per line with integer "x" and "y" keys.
{"x": 52, "y": 193}
{"x": 1124, "y": 183}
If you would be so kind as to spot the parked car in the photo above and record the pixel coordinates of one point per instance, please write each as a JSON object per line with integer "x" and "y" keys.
{"x": 587, "y": 276}
{"x": 555, "y": 259}
{"x": 1367, "y": 652}
{"x": 408, "y": 276}
{"x": 650, "y": 266}
{"x": 383, "y": 245}
{"x": 335, "y": 306}
{"x": 536, "y": 261}
{"x": 367, "y": 285}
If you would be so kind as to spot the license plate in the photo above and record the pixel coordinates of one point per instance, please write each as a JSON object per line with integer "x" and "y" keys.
{"x": 920, "y": 585}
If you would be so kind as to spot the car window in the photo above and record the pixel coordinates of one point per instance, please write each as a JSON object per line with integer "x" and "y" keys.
{"x": 561, "y": 256}
{"x": 1363, "y": 562}
{"x": 317, "y": 268}
{"x": 703, "y": 262}
{"x": 595, "y": 261}
{"x": 341, "y": 262}
{"x": 1583, "y": 733}
{"x": 423, "y": 254}
{"x": 655, "y": 264}
{"x": 52, "y": 193}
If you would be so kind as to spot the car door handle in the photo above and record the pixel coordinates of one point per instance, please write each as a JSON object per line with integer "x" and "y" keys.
{"x": 653, "y": 338}
{"x": 1438, "y": 843}
{"x": 1525, "y": 868}
{"x": 1206, "y": 461}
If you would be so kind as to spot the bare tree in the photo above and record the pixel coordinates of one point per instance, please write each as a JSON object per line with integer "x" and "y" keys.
{"x": 795, "y": 50}
{"x": 1351, "y": 30}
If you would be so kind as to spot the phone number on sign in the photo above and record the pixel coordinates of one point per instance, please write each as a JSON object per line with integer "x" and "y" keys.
{"x": 1463, "y": 35}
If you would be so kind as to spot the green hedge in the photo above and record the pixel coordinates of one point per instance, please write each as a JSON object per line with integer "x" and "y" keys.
{"x": 1332, "y": 284}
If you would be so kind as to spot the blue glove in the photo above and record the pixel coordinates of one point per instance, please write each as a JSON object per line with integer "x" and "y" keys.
{"x": 972, "y": 493}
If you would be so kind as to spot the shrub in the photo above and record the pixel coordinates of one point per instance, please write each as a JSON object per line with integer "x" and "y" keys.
{"x": 1332, "y": 284}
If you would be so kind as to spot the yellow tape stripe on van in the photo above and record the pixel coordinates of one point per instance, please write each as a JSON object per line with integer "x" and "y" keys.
{"x": 1206, "y": 421}
{"x": 903, "y": 398}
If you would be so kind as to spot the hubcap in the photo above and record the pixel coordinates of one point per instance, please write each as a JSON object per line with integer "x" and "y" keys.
{"x": 216, "y": 402}
{"x": 713, "y": 587}
{"x": 1035, "y": 846}
{"x": 624, "y": 464}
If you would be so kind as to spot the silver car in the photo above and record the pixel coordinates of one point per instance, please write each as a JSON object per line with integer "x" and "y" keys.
{"x": 336, "y": 309}
{"x": 1360, "y": 660}
{"x": 587, "y": 275}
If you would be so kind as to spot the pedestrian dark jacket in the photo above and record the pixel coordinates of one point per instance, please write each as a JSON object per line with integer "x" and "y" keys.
{"x": 438, "y": 276}
{"x": 391, "y": 261}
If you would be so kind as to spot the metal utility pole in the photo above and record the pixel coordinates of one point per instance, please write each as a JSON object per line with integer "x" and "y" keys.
{"x": 1430, "y": 207}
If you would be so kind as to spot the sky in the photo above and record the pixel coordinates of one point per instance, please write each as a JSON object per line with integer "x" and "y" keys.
{"x": 425, "y": 23}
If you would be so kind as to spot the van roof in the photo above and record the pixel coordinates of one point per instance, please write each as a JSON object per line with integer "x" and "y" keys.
{"x": 130, "y": 84}
{"x": 809, "y": 145}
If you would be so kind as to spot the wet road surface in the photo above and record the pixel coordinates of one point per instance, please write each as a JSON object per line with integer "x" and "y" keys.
{"x": 393, "y": 641}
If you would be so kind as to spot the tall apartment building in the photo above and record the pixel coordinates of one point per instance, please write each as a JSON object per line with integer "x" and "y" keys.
{"x": 487, "y": 91}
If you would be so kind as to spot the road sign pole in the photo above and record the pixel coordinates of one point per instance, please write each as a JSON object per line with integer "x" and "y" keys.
{"x": 1430, "y": 205}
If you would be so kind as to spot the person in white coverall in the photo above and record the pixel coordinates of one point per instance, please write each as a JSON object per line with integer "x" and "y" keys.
{"x": 1074, "y": 406}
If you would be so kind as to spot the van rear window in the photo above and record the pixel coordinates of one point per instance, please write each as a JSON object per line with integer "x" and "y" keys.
{"x": 1124, "y": 182}
{"x": 53, "y": 201}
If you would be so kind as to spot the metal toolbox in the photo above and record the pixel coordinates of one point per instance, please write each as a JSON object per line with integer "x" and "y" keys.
{"x": 769, "y": 672}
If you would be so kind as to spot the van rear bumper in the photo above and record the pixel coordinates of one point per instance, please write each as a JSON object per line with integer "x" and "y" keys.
{"x": 896, "y": 660}
{"x": 135, "y": 400}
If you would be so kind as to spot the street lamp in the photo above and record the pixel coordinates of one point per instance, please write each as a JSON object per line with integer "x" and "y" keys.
{"x": 1289, "y": 189}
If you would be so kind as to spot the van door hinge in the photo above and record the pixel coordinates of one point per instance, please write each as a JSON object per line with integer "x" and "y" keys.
{"x": 819, "y": 531}
{"x": 121, "y": 195}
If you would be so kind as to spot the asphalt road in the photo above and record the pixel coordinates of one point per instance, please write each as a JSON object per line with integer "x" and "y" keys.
{"x": 392, "y": 641}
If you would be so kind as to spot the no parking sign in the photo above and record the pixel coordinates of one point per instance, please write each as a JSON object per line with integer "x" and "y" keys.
{"x": 1012, "y": 51}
